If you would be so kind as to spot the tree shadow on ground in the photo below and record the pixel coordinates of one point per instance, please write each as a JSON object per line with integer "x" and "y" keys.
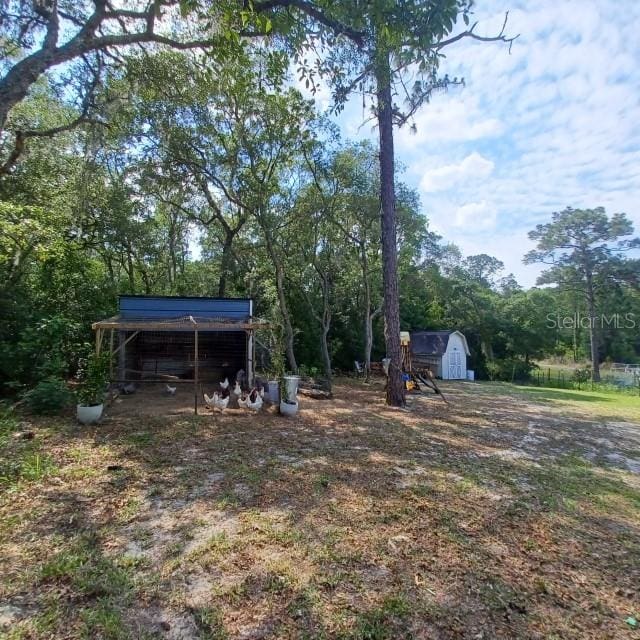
{"x": 351, "y": 521}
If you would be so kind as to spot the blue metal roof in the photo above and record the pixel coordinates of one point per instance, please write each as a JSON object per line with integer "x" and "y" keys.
{"x": 151, "y": 307}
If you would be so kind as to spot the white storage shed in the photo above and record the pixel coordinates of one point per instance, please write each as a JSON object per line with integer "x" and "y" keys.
{"x": 444, "y": 352}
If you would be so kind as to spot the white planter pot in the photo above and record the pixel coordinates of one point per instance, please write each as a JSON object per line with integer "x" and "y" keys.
{"x": 89, "y": 415}
{"x": 288, "y": 408}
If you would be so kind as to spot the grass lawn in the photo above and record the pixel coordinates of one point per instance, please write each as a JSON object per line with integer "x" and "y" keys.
{"x": 512, "y": 512}
{"x": 601, "y": 404}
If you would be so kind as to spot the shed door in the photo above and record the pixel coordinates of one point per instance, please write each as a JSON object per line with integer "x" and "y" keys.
{"x": 455, "y": 365}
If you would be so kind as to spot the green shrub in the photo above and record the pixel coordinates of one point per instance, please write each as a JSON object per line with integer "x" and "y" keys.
{"x": 509, "y": 369}
{"x": 48, "y": 397}
{"x": 580, "y": 376}
{"x": 8, "y": 423}
{"x": 308, "y": 372}
{"x": 94, "y": 377}
{"x": 49, "y": 348}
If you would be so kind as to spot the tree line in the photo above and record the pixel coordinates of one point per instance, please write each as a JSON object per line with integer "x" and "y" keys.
{"x": 195, "y": 169}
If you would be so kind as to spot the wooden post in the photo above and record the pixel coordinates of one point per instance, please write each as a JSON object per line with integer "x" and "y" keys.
{"x": 251, "y": 357}
{"x": 111, "y": 355}
{"x": 195, "y": 376}
{"x": 122, "y": 358}
{"x": 98, "y": 341}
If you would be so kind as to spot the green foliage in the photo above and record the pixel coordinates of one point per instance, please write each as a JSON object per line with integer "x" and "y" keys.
{"x": 48, "y": 397}
{"x": 583, "y": 248}
{"x": 94, "y": 377}
{"x": 20, "y": 459}
{"x": 509, "y": 369}
{"x": 581, "y": 375}
{"x": 86, "y": 569}
{"x": 104, "y": 620}
{"x": 385, "y": 622}
{"x": 210, "y": 623}
{"x": 306, "y": 371}
{"x": 575, "y": 235}
{"x": 50, "y": 346}
{"x": 30, "y": 467}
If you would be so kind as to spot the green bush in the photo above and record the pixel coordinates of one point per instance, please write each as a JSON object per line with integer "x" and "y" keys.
{"x": 48, "y": 397}
{"x": 509, "y": 369}
{"x": 308, "y": 372}
{"x": 49, "y": 348}
{"x": 580, "y": 376}
{"x": 94, "y": 377}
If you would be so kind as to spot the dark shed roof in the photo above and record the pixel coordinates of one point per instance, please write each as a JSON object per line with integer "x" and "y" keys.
{"x": 172, "y": 307}
{"x": 431, "y": 343}
{"x": 182, "y": 313}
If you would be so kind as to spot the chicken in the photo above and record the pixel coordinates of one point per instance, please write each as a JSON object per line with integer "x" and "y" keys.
{"x": 221, "y": 402}
{"x": 170, "y": 391}
{"x": 237, "y": 390}
{"x": 210, "y": 401}
{"x": 242, "y": 401}
{"x": 225, "y": 384}
{"x": 254, "y": 401}
{"x": 128, "y": 389}
{"x": 218, "y": 400}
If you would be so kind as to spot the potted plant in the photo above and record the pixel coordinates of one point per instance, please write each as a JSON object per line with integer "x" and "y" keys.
{"x": 93, "y": 382}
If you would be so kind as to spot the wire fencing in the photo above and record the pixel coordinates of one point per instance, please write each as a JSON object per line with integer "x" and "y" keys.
{"x": 619, "y": 377}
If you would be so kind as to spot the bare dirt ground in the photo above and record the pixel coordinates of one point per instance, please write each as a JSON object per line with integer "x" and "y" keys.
{"x": 500, "y": 515}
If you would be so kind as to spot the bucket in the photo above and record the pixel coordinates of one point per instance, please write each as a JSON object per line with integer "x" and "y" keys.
{"x": 274, "y": 392}
{"x": 291, "y": 387}
{"x": 288, "y": 408}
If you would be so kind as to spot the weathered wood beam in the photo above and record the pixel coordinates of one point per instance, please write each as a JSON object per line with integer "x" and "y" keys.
{"x": 124, "y": 344}
{"x": 149, "y": 325}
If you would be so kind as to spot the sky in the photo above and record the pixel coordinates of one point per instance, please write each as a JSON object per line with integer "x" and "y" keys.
{"x": 554, "y": 123}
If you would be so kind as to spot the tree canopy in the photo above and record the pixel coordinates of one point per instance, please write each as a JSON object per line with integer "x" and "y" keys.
{"x": 582, "y": 248}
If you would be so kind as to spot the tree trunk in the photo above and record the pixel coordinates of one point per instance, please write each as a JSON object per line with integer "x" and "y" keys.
{"x": 593, "y": 332}
{"x": 326, "y": 326}
{"x": 368, "y": 316}
{"x": 225, "y": 264}
{"x": 131, "y": 273}
{"x": 486, "y": 347}
{"x": 368, "y": 343}
{"x": 368, "y": 340}
{"x": 286, "y": 318}
{"x": 109, "y": 264}
{"x": 395, "y": 384}
{"x": 326, "y": 357}
{"x": 15, "y": 86}
{"x": 282, "y": 299}
{"x": 145, "y": 279}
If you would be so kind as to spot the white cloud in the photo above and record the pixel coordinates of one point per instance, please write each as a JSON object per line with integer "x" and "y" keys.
{"x": 473, "y": 167}
{"x": 474, "y": 216}
{"x": 455, "y": 116}
{"x": 556, "y": 122}
{"x": 567, "y": 103}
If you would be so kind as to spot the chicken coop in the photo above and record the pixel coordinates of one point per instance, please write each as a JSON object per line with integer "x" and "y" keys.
{"x": 179, "y": 339}
{"x": 444, "y": 353}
